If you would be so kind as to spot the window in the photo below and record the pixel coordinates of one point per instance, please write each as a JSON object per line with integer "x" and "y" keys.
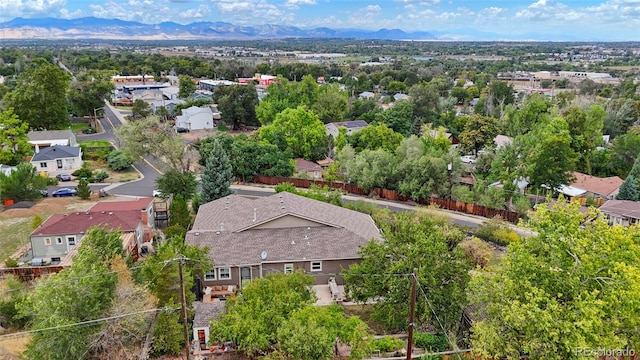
{"x": 210, "y": 275}
{"x": 288, "y": 268}
{"x": 43, "y": 164}
{"x": 55, "y": 259}
{"x": 316, "y": 266}
{"x": 224, "y": 273}
{"x": 47, "y": 241}
{"x": 71, "y": 240}
{"x": 58, "y": 240}
{"x": 59, "y": 163}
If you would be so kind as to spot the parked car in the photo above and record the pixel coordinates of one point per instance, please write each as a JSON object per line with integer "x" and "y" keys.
{"x": 44, "y": 192}
{"x": 157, "y": 193}
{"x": 182, "y": 130}
{"x": 468, "y": 159}
{"x": 64, "y": 192}
{"x": 63, "y": 177}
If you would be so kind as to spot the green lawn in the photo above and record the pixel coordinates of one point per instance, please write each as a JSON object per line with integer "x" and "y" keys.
{"x": 78, "y": 127}
{"x": 15, "y": 234}
{"x": 95, "y": 143}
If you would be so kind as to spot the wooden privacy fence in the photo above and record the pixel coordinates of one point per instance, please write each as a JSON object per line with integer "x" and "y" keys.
{"x": 448, "y": 204}
{"x": 29, "y": 273}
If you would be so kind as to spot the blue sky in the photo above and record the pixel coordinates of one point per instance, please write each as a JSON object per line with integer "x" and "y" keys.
{"x": 578, "y": 20}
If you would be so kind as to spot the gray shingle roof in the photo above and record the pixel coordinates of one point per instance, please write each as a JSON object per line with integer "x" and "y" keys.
{"x": 205, "y": 312}
{"x": 56, "y": 152}
{"x": 622, "y": 208}
{"x": 238, "y": 229}
{"x": 49, "y": 135}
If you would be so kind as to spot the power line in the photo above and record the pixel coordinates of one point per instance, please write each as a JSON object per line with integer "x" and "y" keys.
{"x": 167, "y": 309}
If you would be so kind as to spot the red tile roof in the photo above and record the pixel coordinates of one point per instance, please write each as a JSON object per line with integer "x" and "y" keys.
{"x": 123, "y": 205}
{"x": 605, "y": 187}
{"x": 79, "y": 222}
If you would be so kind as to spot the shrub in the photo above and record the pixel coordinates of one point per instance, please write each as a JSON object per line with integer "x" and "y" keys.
{"x": 478, "y": 251}
{"x": 100, "y": 176}
{"x": 223, "y": 128}
{"x": 497, "y": 231}
{"x": 430, "y": 342}
{"x": 83, "y": 172}
{"x": 387, "y": 344}
{"x": 11, "y": 263}
{"x": 84, "y": 192}
{"x": 118, "y": 161}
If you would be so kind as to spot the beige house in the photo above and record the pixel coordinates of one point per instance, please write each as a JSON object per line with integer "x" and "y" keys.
{"x": 308, "y": 169}
{"x": 283, "y": 232}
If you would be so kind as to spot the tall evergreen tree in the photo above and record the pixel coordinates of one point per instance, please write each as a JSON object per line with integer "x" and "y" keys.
{"x": 628, "y": 190}
{"x": 179, "y": 211}
{"x": 217, "y": 174}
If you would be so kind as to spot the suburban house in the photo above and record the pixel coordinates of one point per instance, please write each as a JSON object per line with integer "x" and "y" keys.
{"x": 352, "y": 126}
{"x": 170, "y": 105}
{"x": 195, "y": 118}
{"x": 436, "y": 133}
{"x": 398, "y": 97}
{"x": 283, "y": 232}
{"x": 142, "y": 206}
{"x": 60, "y": 233}
{"x": 308, "y": 169}
{"x": 57, "y": 159}
{"x": 43, "y": 139}
{"x": 622, "y": 212}
{"x": 366, "y": 95}
{"x": 170, "y": 93}
{"x": 596, "y": 187}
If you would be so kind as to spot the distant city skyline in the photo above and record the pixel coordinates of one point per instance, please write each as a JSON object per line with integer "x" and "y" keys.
{"x": 582, "y": 20}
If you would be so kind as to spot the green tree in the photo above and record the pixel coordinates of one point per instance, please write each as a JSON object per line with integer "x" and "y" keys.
{"x": 168, "y": 338}
{"x": 180, "y": 214}
{"x": 372, "y": 169}
{"x": 14, "y": 142}
{"x": 89, "y": 90}
{"x": 628, "y": 190}
{"x": 374, "y": 137}
{"x": 412, "y": 240}
{"x": 217, "y": 176}
{"x": 186, "y": 86}
{"x": 140, "y": 109}
{"x": 22, "y": 184}
{"x": 149, "y": 136}
{"x": 80, "y": 293}
{"x": 557, "y": 293}
{"x": 237, "y": 103}
{"x": 177, "y": 183}
{"x": 299, "y": 130}
{"x": 40, "y": 96}
{"x": 84, "y": 192}
{"x": 585, "y": 129}
{"x": 625, "y": 151}
{"x": 552, "y": 162}
{"x": 331, "y": 103}
{"x": 305, "y": 341}
{"x": 479, "y": 131}
{"x": 117, "y": 160}
{"x": 253, "y": 318}
{"x": 399, "y": 118}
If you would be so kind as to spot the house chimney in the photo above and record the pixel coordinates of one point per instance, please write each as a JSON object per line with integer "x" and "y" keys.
{"x": 144, "y": 216}
{"x": 255, "y": 214}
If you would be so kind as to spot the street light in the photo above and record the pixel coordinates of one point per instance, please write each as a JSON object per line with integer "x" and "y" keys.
{"x": 95, "y": 116}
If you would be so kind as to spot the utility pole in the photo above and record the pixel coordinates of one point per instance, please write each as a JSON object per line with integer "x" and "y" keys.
{"x": 412, "y": 312}
{"x": 184, "y": 308}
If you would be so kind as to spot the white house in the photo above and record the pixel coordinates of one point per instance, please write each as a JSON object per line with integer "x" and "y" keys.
{"x": 43, "y": 139}
{"x": 195, "y": 118}
{"x": 57, "y": 159}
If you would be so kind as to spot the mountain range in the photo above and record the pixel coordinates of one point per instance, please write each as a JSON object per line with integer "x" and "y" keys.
{"x": 114, "y": 29}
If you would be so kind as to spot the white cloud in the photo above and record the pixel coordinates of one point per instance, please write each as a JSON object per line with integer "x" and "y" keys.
{"x": 199, "y": 13}
{"x": 30, "y": 8}
{"x": 295, "y": 4}
{"x": 373, "y": 8}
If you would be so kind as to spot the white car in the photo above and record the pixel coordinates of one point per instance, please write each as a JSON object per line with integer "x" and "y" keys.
{"x": 157, "y": 193}
{"x": 468, "y": 159}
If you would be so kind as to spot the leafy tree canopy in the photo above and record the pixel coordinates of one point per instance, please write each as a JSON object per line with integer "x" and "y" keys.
{"x": 14, "y": 142}
{"x": 557, "y": 292}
